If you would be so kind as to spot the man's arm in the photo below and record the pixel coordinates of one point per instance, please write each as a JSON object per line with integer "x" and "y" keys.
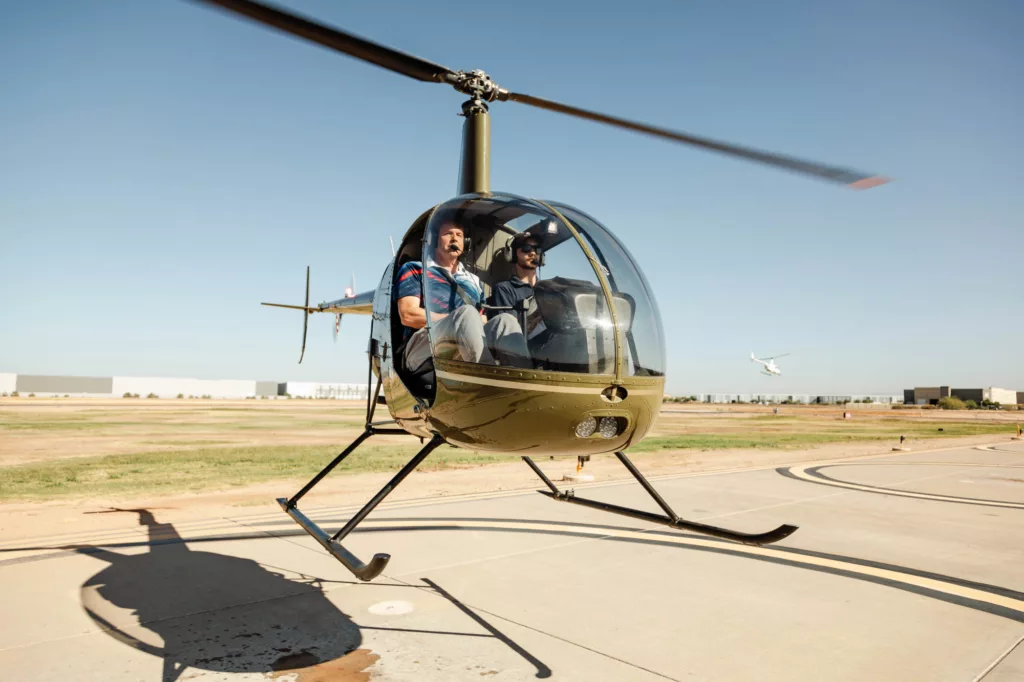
{"x": 407, "y": 295}
{"x": 412, "y": 313}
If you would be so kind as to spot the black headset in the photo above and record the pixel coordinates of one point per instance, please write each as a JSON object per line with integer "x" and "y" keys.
{"x": 510, "y": 253}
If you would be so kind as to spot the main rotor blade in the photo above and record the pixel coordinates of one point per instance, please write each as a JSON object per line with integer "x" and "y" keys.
{"x": 843, "y": 176}
{"x": 347, "y": 43}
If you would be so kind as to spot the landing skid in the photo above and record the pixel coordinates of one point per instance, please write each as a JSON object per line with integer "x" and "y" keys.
{"x": 369, "y": 571}
{"x": 332, "y": 543}
{"x": 670, "y": 519}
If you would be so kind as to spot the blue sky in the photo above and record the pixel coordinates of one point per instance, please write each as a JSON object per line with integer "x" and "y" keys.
{"x": 165, "y": 167}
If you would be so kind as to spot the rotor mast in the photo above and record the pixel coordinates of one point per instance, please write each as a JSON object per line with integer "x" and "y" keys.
{"x": 475, "y": 166}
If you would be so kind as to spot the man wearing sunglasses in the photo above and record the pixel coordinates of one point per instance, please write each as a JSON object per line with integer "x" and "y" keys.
{"x": 517, "y": 292}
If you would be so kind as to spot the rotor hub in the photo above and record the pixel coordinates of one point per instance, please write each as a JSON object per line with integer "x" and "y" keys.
{"x": 477, "y": 85}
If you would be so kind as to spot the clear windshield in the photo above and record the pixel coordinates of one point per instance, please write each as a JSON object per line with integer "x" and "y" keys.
{"x": 644, "y": 335}
{"x": 506, "y": 283}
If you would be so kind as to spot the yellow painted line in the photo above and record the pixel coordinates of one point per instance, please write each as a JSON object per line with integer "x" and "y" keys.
{"x": 801, "y": 473}
{"x": 914, "y": 463}
{"x": 818, "y": 562}
{"x": 891, "y": 576}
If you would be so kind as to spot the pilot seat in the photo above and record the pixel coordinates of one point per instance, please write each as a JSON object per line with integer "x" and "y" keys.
{"x": 579, "y": 336}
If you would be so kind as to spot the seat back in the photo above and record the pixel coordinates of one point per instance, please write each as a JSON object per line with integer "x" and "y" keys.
{"x": 421, "y": 382}
{"x": 579, "y": 335}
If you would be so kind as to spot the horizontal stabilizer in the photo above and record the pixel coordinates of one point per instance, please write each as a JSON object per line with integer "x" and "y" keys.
{"x": 293, "y": 307}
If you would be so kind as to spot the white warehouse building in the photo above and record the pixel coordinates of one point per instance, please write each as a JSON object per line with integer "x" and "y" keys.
{"x": 167, "y": 387}
{"x": 171, "y": 387}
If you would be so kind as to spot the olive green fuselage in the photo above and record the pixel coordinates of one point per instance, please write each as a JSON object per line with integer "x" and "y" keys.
{"x": 503, "y": 409}
{"x": 499, "y": 409}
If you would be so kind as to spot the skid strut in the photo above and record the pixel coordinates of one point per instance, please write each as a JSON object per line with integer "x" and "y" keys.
{"x": 332, "y": 543}
{"x": 669, "y": 519}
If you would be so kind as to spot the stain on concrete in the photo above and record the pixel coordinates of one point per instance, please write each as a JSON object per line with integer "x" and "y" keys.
{"x": 349, "y": 668}
{"x": 290, "y": 662}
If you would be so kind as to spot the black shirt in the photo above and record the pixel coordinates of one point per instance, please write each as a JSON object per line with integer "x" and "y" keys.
{"x": 518, "y": 294}
{"x": 508, "y": 294}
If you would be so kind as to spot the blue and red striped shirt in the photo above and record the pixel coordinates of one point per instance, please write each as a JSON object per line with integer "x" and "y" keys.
{"x": 442, "y": 297}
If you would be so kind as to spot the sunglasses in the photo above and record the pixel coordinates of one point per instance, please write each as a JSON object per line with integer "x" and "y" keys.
{"x": 530, "y": 248}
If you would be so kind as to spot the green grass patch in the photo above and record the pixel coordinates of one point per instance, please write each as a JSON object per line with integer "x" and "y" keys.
{"x": 842, "y": 433}
{"x": 207, "y": 469}
{"x": 186, "y": 443}
{"x": 168, "y": 422}
{"x": 63, "y": 424}
{"x": 719, "y": 441}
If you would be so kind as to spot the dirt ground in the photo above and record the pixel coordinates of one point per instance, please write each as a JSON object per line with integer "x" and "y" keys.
{"x": 56, "y": 518}
{"x": 33, "y": 430}
{"x": 39, "y": 430}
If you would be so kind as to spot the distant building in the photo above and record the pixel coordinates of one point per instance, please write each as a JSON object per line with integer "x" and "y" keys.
{"x": 312, "y": 389}
{"x": 926, "y": 395}
{"x": 931, "y": 395}
{"x": 790, "y": 398}
{"x": 43, "y": 386}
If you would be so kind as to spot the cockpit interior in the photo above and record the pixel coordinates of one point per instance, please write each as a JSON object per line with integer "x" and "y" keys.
{"x": 590, "y": 311}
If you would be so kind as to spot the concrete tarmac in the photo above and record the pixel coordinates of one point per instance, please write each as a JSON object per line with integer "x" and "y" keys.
{"x": 906, "y": 567}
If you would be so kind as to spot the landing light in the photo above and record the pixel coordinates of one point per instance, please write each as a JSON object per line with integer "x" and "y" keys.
{"x": 586, "y": 428}
{"x": 609, "y": 427}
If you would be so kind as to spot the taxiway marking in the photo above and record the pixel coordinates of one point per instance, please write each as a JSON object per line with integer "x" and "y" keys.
{"x": 811, "y": 473}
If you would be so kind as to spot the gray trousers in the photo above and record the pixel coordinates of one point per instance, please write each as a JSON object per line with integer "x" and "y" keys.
{"x": 462, "y": 335}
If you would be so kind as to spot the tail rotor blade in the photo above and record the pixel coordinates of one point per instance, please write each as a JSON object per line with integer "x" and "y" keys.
{"x": 305, "y": 318}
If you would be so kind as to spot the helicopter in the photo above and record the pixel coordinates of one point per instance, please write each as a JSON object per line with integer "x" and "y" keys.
{"x": 591, "y": 384}
{"x": 770, "y": 368}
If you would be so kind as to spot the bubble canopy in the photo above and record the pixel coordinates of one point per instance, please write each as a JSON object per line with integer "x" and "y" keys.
{"x": 589, "y": 311}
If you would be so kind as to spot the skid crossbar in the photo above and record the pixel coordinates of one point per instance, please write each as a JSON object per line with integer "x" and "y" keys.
{"x": 670, "y": 518}
{"x": 332, "y": 543}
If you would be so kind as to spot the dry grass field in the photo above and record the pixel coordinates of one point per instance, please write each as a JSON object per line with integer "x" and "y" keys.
{"x": 54, "y": 449}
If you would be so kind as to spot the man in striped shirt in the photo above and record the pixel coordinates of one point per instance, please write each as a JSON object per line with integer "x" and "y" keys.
{"x": 453, "y": 298}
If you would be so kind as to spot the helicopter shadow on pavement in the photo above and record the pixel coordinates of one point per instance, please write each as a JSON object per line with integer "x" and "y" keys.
{"x": 228, "y": 614}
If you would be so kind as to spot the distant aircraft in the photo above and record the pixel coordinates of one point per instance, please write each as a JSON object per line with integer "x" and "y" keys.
{"x": 770, "y": 368}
